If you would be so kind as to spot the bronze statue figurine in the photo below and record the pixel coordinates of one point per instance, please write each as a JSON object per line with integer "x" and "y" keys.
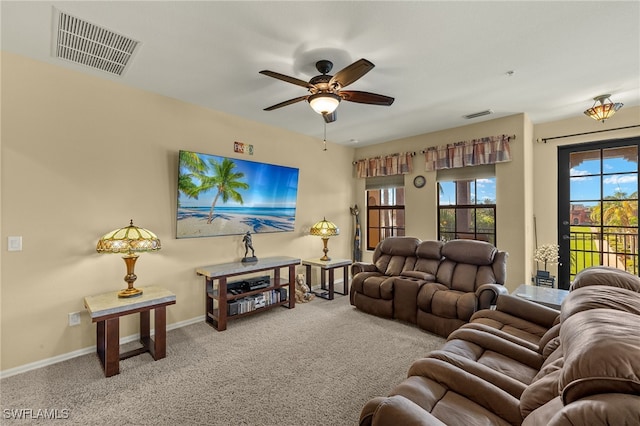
{"x": 248, "y": 245}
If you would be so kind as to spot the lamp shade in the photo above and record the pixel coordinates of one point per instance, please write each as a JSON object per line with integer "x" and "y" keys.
{"x": 129, "y": 240}
{"x": 324, "y": 103}
{"x": 603, "y": 111}
{"x": 324, "y": 228}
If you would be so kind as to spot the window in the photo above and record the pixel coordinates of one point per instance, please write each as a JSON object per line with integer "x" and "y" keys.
{"x": 385, "y": 214}
{"x": 467, "y": 209}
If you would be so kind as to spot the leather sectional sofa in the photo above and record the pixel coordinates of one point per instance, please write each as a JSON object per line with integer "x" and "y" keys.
{"x": 436, "y": 285}
{"x": 523, "y": 363}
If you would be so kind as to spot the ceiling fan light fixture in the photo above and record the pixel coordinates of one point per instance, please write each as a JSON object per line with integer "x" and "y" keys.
{"x": 603, "y": 111}
{"x": 324, "y": 103}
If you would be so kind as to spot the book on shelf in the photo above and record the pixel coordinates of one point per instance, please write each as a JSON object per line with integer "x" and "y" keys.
{"x": 256, "y": 301}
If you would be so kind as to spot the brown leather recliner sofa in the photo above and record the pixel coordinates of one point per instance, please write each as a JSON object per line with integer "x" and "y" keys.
{"x": 503, "y": 368}
{"x": 436, "y": 285}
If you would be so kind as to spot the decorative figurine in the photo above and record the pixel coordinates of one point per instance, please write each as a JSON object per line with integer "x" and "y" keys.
{"x": 303, "y": 293}
{"x": 357, "y": 252}
{"x": 248, "y": 245}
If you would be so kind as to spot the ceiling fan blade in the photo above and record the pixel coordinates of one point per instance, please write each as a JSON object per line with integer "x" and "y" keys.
{"x": 348, "y": 75}
{"x": 330, "y": 118}
{"x": 285, "y": 103}
{"x": 286, "y": 78}
{"x": 366, "y": 97}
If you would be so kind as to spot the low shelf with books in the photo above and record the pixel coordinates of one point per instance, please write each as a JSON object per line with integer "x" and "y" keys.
{"x": 219, "y": 295}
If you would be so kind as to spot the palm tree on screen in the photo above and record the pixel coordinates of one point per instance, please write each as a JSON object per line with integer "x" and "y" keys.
{"x": 191, "y": 162}
{"x": 225, "y": 180}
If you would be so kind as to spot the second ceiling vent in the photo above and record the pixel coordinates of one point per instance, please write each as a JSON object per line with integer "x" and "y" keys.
{"x": 478, "y": 114}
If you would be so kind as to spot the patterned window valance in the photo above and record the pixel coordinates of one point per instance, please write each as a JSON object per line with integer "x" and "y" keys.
{"x": 489, "y": 150}
{"x": 394, "y": 164}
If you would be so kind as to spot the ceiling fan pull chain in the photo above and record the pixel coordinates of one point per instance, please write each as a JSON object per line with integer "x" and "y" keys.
{"x": 325, "y": 136}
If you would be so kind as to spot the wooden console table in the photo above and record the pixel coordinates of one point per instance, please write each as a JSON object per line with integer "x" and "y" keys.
{"x": 217, "y": 296}
{"x": 106, "y": 309}
{"x": 331, "y": 266}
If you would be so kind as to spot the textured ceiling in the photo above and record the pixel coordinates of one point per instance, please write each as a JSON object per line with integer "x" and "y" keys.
{"x": 440, "y": 60}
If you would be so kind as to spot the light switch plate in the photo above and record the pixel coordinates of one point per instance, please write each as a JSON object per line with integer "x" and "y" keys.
{"x": 14, "y": 243}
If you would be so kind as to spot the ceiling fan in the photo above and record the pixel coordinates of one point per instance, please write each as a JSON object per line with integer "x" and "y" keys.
{"x": 326, "y": 90}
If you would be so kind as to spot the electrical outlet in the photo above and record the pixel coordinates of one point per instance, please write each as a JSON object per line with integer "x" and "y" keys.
{"x": 74, "y": 318}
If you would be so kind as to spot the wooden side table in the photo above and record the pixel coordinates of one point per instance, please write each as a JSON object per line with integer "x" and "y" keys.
{"x": 330, "y": 266}
{"x": 106, "y": 310}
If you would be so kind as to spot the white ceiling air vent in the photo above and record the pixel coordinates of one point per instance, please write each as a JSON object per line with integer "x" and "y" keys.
{"x": 85, "y": 43}
{"x": 478, "y": 114}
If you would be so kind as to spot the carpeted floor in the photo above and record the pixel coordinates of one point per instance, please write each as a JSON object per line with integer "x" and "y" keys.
{"x": 314, "y": 365}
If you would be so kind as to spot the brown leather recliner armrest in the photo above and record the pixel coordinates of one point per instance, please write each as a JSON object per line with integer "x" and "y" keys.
{"x": 487, "y": 295}
{"x": 362, "y": 267}
{"x": 527, "y": 310}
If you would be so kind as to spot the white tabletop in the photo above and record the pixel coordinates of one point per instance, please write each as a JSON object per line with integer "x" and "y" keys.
{"x": 236, "y": 268}
{"x": 109, "y": 303}
{"x": 333, "y": 263}
{"x": 547, "y": 296}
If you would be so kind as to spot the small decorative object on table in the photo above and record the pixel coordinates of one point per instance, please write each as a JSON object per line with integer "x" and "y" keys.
{"x": 248, "y": 245}
{"x": 547, "y": 254}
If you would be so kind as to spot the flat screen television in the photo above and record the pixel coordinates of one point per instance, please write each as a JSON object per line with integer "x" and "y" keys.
{"x": 227, "y": 196}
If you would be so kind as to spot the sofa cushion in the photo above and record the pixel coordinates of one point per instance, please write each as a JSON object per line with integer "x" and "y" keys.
{"x": 378, "y": 287}
{"x": 606, "y": 275}
{"x": 456, "y": 397}
{"x": 469, "y": 251}
{"x": 601, "y": 354}
{"x": 597, "y": 410}
{"x": 430, "y": 249}
{"x": 550, "y": 341}
{"x": 453, "y": 304}
{"x": 465, "y": 277}
{"x": 540, "y": 392}
{"x": 518, "y": 317}
{"x": 357, "y": 283}
{"x": 425, "y": 296}
{"x": 600, "y": 296}
{"x": 429, "y": 255}
{"x": 496, "y": 353}
{"x": 397, "y": 246}
{"x": 398, "y": 263}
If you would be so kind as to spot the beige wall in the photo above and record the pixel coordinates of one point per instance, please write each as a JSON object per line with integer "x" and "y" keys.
{"x": 512, "y": 180}
{"x": 81, "y": 156}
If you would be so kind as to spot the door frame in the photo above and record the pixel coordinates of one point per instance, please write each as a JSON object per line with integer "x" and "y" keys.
{"x": 564, "y": 213}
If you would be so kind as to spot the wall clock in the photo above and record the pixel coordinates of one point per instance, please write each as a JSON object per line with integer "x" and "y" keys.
{"x": 419, "y": 181}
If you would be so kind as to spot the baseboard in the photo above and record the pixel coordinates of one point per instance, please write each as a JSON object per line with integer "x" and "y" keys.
{"x": 88, "y": 350}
